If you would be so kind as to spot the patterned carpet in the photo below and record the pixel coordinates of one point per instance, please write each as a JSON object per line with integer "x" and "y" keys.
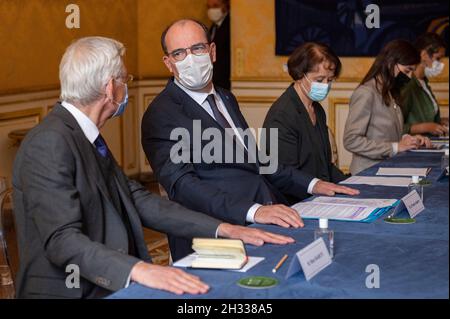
{"x": 157, "y": 246}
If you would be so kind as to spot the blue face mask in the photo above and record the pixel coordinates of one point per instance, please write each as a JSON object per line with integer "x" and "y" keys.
{"x": 122, "y": 106}
{"x": 318, "y": 91}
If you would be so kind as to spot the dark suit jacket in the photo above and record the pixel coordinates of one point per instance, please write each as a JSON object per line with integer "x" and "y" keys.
{"x": 300, "y": 144}
{"x": 65, "y": 215}
{"x": 223, "y": 190}
{"x": 222, "y": 66}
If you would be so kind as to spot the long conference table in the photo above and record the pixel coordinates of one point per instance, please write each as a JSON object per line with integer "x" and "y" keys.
{"x": 412, "y": 259}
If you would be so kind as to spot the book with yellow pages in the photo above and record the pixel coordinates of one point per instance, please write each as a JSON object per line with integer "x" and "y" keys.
{"x": 219, "y": 253}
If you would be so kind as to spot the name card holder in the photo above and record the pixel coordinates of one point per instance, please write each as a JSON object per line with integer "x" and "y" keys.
{"x": 312, "y": 260}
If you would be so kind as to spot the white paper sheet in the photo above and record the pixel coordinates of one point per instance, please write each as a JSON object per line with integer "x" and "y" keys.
{"x": 378, "y": 181}
{"x": 375, "y": 202}
{"x": 352, "y": 209}
{"x": 187, "y": 262}
{"x": 330, "y": 211}
{"x": 404, "y": 171}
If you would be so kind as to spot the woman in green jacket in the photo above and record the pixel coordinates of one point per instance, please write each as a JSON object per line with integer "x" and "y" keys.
{"x": 420, "y": 107}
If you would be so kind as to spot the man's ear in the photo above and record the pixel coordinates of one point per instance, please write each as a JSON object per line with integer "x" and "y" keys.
{"x": 213, "y": 52}
{"x": 167, "y": 63}
{"x": 109, "y": 90}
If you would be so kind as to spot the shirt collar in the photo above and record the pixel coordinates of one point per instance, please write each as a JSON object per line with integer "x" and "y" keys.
{"x": 88, "y": 127}
{"x": 199, "y": 97}
{"x": 219, "y": 23}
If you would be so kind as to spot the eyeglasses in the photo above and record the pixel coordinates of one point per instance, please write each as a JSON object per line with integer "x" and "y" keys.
{"x": 129, "y": 78}
{"x": 196, "y": 49}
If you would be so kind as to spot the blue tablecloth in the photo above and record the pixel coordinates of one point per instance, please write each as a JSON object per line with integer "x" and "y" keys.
{"x": 413, "y": 259}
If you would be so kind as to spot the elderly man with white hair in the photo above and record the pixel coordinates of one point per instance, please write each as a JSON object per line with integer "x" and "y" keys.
{"x": 77, "y": 214}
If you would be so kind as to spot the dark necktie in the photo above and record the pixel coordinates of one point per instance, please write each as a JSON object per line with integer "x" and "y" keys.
{"x": 217, "y": 114}
{"x": 213, "y": 31}
{"x": 101, "y": 147}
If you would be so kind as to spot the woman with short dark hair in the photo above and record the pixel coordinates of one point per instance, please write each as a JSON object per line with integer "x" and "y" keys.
{"x": 374, "y": 126}
{"x": 303, "y": 139}
{"x": 420, "y": 107}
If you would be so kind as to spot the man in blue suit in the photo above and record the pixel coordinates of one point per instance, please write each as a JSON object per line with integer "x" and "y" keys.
{"x": 234, "y": 191}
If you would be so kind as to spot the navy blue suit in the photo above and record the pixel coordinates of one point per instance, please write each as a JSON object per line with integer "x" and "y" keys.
{"x": 223, "y": 190}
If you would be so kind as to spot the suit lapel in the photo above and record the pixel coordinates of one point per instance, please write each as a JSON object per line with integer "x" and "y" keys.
{"x": 322, "y": 132}
{"x": 192, "y": 108}
{"x": 307, "y": 123}
{"x": 229, "y": 105}
{"x": 397, "y": 114}
{"x": 93, "y": 167}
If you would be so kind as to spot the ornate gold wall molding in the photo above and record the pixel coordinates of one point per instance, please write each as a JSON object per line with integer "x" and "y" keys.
{"x": 332, "y": 102}
{"x": 39, "y": 112}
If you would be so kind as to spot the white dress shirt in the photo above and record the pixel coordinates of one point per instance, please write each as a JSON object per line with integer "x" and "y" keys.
{"x": 200, "y": 98}
{"x": 88, "y": 127}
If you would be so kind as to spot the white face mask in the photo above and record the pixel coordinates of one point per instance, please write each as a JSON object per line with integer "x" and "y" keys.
{"x": 215, "y": 14}
{"x": 436, "y": 69}
{"x": 195, "y": 71}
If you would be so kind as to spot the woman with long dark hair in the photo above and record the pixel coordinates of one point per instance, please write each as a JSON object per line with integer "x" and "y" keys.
{"x": 374, "y": 127}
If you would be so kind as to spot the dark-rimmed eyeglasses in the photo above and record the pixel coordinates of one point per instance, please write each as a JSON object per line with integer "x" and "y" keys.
{"x": 197, "y": 49}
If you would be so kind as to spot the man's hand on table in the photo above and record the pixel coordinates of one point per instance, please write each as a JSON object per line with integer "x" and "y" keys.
{"x": 280, "y": 215}
{"x": 166, "y": 278}
{"x": 252, "y": 236}
{"x": 330, "y": 189}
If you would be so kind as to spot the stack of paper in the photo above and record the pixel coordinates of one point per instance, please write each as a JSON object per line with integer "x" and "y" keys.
{"x": 395, "y": 171}
{"x": 344, "y": 209}
{"x": 378, "y": 181}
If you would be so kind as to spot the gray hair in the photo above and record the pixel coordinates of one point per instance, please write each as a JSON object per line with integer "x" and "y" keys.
{"x": 87, "y": 66}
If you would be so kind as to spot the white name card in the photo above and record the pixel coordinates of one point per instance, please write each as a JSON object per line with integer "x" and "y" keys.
{"x": 412, "y": 203}
{"x": 312, "y": 259}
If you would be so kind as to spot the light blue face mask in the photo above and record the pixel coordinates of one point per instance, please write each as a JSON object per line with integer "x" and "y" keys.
{"x": 122, "y": 106}
{"x": 318, "y": 91}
